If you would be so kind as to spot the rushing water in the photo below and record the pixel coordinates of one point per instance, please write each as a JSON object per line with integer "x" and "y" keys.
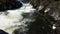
{"x": 12, "y": 19}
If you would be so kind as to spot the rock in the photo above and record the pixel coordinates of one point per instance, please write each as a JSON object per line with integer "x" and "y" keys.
{"x": 3, "y": 32}
{"x": 9, "y": 5}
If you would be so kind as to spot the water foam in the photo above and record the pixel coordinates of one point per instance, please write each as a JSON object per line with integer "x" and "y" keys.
{"x": 14, "y": 18}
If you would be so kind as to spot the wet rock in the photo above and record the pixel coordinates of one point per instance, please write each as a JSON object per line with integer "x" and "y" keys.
{"x": 41, "y": 25}
{"x": 9, "y": 5}
{"x": 3, "y": 32}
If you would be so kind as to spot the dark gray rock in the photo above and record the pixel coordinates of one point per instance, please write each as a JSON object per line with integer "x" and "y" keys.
{"x": 9, "y": 5}
{"x": 3, "y": 32}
